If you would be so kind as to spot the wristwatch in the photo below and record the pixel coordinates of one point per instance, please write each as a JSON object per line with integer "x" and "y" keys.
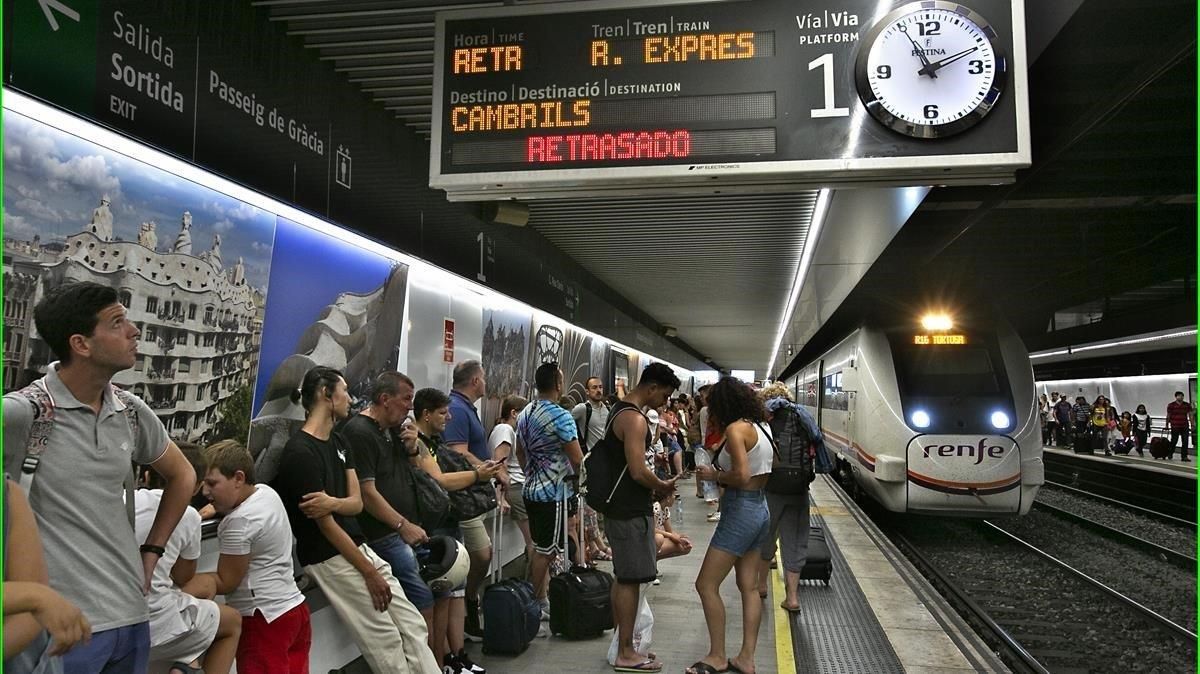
{"x": 156, "y": 549}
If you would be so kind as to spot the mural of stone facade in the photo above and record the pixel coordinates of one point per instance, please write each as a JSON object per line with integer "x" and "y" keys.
{"x": 201, "y": 324}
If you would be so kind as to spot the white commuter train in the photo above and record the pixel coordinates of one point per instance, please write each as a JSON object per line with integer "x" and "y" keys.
{"x": 938, "y": 419}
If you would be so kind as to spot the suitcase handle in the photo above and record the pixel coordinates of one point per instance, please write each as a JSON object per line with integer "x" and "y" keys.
{"x": 568, "y": 563}
{"x": 497, "y": 545}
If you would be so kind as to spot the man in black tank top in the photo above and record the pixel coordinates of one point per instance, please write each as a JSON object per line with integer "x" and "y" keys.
{"x": 629, "y": 521}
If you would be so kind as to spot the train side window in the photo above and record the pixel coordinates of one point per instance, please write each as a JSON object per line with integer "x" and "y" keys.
{"x": 834, "y": 397}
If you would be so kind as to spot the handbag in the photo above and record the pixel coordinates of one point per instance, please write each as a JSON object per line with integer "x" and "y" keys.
{"x": 475, "y": 500}
{"x": 433, "y": 503}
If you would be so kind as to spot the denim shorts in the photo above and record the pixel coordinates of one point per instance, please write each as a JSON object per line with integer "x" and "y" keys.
{"x": 400, "y": 556}
{"x": 745, "y": 522}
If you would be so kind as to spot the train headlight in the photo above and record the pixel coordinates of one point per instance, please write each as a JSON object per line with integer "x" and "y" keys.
{"x": 1000, "y": 419}
{"x": 920, "y": 419}
{"x": 937, "y": 322}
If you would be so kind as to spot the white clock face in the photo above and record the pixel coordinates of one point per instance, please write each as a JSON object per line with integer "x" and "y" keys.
{"x": 930, "y": 69}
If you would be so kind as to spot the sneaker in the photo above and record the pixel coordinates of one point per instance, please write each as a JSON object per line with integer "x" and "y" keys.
{"x": 545, "y": 606}
{"x": 468, "y": 665}
{"x": 451, "y": 665}
{"x": 714, "y": 517}
{"x": 543, "y": 632}
{"x": 657, "y": 581}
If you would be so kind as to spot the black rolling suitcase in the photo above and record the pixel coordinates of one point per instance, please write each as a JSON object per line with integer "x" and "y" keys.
{"x": 580, "y": 604}
{"x": 511, "y": 615}
{"x": 819, "y": 564}
{"x": 1082, "y": 443}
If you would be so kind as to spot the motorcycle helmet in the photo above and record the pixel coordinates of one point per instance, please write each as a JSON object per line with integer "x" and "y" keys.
{"x": 444, "y": 564}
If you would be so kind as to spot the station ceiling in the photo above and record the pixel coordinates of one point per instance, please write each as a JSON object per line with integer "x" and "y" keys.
{"x": 1108, "y": 206}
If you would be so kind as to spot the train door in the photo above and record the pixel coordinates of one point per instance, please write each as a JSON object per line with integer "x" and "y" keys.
{"x": 848, "y": 383}
{"x": 820, "y": 394}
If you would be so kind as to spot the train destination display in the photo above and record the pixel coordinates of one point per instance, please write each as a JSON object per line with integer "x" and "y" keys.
{"x": 537, "y": 100}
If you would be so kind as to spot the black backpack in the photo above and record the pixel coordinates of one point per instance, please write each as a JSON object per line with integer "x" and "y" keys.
{"x": 602, "y": 473}
{"x": 794, "y": 453}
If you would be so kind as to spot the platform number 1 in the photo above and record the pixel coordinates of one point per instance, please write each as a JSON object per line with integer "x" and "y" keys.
{"x": 482, "y": 245}
{"x": 825, "y": 63}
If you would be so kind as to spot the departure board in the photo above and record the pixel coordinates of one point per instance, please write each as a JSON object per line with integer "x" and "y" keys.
{"x": 583, "y": 97}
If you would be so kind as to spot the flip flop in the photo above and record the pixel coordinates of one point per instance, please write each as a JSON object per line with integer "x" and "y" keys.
{"x": 730, "y": 667}
{"x": 643, "y": 666}
{"x": 789, "y": 609}
{"x": 702, "y": 667}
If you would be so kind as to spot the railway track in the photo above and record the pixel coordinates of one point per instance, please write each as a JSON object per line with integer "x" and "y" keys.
{"x": 1164, "y": 517}
{"x": 1175, "y": 557}
{"x": 1165, "y": 492}
{"x": 1040, "y": 613}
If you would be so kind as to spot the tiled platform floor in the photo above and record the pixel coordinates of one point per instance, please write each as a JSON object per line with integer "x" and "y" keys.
{"x": 680, "y": 637}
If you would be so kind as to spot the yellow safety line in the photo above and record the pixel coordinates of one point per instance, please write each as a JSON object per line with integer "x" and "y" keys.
{"x": 785, "y": 656}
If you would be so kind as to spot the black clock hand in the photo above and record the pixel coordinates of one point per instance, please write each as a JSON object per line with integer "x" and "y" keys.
{"x": 931, "y": 68}
{"x": 920, "y": 54}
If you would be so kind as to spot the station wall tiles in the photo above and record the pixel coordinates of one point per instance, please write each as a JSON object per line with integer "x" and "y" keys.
{"x": 429, "y": 307}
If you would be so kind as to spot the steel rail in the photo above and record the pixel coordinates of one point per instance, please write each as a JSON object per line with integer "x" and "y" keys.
{"x": 1136, "y": 508}
{"x": 1006, "y": 641}
{"x": 1161, "y": 621}
{"x": 1173, "y": 556}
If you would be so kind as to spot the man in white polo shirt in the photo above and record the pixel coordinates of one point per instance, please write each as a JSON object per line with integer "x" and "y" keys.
{"x": 76, "y": 484}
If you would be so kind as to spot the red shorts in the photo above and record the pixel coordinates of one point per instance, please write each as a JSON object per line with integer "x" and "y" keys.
{"x": 279, "y": 647}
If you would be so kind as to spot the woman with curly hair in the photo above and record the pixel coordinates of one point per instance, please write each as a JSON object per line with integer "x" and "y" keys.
{"x": 741, "y": 464}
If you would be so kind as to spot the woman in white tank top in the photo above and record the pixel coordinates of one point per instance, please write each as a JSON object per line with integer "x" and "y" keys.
{"x": 742, "y": 466}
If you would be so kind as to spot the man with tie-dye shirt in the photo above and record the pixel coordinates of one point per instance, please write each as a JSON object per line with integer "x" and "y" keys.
{"x": 548, "y": 448}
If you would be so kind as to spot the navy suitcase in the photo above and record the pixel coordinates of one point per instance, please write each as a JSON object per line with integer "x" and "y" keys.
{"x": 511, "y": 615}
{"x": 818, "y": 565}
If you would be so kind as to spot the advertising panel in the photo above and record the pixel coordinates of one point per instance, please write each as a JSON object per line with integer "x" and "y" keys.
{"x": 191, "y": 265}
{"x": 341, "y": 307}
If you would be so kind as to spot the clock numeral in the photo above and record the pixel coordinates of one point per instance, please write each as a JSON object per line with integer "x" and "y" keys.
{"x": 883, "y": 72}
{"x": 976, "y": 67}
{"x": 931, "y": 112}
{"x": 929, "y": 28}
{"x": 825, "y": 63}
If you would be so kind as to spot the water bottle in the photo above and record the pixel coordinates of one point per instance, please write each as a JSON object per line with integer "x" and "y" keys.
{"x": 709, "y": 487}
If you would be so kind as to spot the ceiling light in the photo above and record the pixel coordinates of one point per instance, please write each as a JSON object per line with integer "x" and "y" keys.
{"x": 810, "y": 244}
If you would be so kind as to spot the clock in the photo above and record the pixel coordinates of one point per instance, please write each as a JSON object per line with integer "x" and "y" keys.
{"x": 930, "y": 69}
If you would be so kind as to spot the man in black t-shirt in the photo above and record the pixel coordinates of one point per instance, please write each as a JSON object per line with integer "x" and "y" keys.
{"x": 390, "y": 518}
{"x": 629, "y": 521}
{"x": 318, "y": 485}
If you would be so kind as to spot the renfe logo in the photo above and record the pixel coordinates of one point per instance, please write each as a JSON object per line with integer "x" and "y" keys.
{"x": 976, "y": 451}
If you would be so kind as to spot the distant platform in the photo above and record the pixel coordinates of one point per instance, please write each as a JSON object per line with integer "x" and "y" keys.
{"x": 1173, "y": 465}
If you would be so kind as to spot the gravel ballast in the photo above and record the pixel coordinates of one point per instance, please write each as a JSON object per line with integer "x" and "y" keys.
{"x": 1065, "y": 622}
{"x": 1153, "y": 529}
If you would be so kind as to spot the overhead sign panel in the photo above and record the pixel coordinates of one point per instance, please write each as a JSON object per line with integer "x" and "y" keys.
{"x": 593, "y": 97}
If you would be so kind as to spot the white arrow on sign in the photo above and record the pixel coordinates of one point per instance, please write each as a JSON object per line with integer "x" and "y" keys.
{"x": 48, "y": 7}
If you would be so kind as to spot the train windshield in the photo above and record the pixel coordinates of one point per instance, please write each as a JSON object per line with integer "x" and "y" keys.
{"x": 947, "y": 370}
